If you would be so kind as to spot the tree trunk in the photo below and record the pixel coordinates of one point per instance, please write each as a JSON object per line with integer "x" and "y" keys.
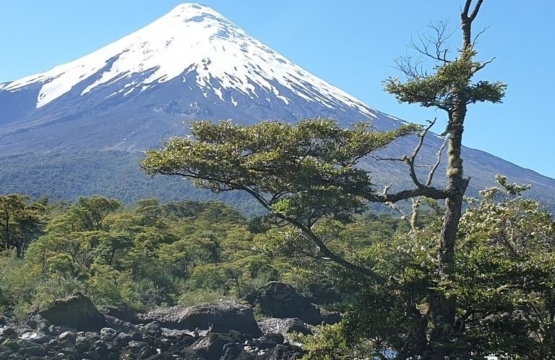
{"x": 7, "y": 230}
{"x": 443, "y": 308}
{"x": 19, "y": 249}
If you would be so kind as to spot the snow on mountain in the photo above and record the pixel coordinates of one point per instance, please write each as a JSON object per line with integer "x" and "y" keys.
{"x": 190, "y": 38}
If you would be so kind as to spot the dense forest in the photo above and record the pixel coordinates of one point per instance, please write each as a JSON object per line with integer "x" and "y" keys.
{"x": 150, "y": 254}
{"x": 154, "y": 254}
{"x": 141, "y": 256}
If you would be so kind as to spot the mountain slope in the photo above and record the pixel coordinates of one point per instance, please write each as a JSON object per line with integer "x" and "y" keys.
{"x": 192, "y": 64}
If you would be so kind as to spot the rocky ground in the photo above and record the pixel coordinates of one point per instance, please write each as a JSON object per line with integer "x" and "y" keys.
{"x": 73, "y": 328}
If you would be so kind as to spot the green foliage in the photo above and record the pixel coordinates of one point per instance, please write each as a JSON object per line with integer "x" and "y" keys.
{"x": 144, "y": 256}
{"x": 450, "y": 85}
{"x": 302, "y": 171}
{"x": 188, "y": 252}
{"x": 327, "y": 344}
{"x": 198, "y": 296}
{"x": 504, "y": 278}
{"x": 21, "y": 222}
{"x": 303, "y": 174}
{"x": 153, "y": 254}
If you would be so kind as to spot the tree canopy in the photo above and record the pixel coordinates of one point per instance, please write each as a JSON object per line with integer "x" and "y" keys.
{"x": 301, "y": 173}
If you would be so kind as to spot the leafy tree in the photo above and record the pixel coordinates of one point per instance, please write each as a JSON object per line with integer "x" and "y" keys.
{"x": 503, "y": 283}
{"x": 505, "y": 273}
{"x": 88, "y": 213}
{"x": 300, "y": 173}
{"x": 21, "y": 222}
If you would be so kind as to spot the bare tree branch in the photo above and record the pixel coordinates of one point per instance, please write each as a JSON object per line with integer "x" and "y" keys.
{"x": 421, "y": 189}
{"x": 476, "y": 9}
{"x": 428, "y": 191}
{"x": 400, "y": 211}
{"x": 483, "y": 64}
{"x": 410, "y": 67}
{"x": 412, "y": 158}
{"x": 479, "y": 34}
{"x": 436, "y": 165}
{"x": 434, "y": 46}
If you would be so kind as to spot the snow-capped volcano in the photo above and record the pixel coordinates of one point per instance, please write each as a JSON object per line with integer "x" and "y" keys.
{"x": 190, "y": 39}
{"x": 191, "y": 63}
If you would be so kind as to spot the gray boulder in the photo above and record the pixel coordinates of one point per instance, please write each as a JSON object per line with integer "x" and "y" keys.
{"x": 122, "y": 313}
{"x": 8, "y": 331}
{"x": 68, "y": 337}
{"x": 77, "y": 312}
{"x": 108, "y": 334}
{"x": 280, "y": 300}
{"x": 119, "y": 325}
{"x": 220, "y": 317}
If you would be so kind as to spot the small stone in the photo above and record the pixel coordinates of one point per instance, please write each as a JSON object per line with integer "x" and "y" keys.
{"x": 101, "y": 351}
{"x": 8, "y": 331}
{"x": 68, "y": 336}
{"x": 35, "y": 351}
{"x": 53, "y": 330}
{"x": 136, "y": 336}
{"x": 147, "y": 352}
{"x": 108, "y": 334}
{"x": 36, "y": 337}
{"x": 153, "y": 329}
{"x": 276, "y": 337}
{"x": 12, "y": 344}
{"x": 82, "y": 344}
{"x": 44, "y": 327}
{"x": 123, "y": 337}
{"x": 32, "y": 323}
{"x": 136, "y": 344}
{"x": 91, "y": 355}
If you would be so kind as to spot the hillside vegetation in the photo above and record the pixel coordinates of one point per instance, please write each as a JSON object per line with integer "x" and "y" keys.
{"x": 153, "y": 254}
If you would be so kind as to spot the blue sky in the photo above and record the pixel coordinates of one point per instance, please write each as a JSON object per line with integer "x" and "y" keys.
{"x": 350, "y": 43}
